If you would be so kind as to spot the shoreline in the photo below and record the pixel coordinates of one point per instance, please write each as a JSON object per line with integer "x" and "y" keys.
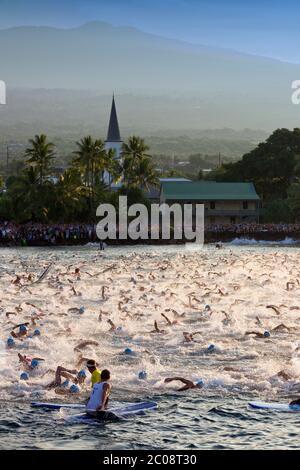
{"x": 79, "y": 234}
{"x": 292, "y": 238}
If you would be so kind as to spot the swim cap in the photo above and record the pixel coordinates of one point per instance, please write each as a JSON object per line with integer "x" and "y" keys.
{"x": 82, "y": 373}
{"x": 34, "y": 363}
{"x": 65, "y": 384}
{"x": 142, "y": 375}
{"x": 211, "y": 348}
{"x": 74, "y": 389}
{"x": 207, "y": 307}
{"x": 23, "y": 329}
{"x": 200, "y": 383}
{"x": 10, "y": 342}
{"x": 267, "y": 334}
{"x": 128, "y": 351}
{"x": 37, "y": 333}
{"x": 81, "y": 310}
{"x": 24, "y": 376}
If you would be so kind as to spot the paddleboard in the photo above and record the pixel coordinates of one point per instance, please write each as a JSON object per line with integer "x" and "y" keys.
{"x": 118, "y": 408}
{"x": 115, "y": 413}
{"x": 57, "y": 406}
{"x": 283, "y": 407}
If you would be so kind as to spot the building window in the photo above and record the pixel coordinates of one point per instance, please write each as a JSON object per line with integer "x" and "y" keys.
{"x": 245, "y": 205}
{"x": 212, "y": 204}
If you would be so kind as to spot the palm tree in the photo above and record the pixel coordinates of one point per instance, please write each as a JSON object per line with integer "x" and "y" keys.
{"x": 92, "y": 160}
{"x": 40, "y": 154}
{"x": 69, "y": 193}
{"x": 135, "y": 161}
{"x": 84, "y": 158}
{"x": 145, "y": 174}
{"x": 28, "y": 201}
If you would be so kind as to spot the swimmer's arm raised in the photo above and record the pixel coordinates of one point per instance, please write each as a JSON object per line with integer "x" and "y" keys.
{"x": 189, "y": 383}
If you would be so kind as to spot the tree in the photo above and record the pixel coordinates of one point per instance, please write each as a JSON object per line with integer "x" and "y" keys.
{"x": 41, "y": 153}
{"x": 271, "y": 166}
{"x": 294, "y": 200}
{"x": 70, "y": 201}
{"x": 29, "y": 202}
{"x": 138, "y": 169}
{"x": 92, "y": 160}
{"x": 278, "y": 211}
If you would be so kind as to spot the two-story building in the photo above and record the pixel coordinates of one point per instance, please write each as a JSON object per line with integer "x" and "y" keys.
{"x": 225, "y": 203}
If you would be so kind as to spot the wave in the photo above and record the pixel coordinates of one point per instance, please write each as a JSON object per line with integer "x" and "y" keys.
{"x": 287, "y": 241}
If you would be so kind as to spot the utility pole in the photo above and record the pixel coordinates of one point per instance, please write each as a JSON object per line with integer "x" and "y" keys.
{"x": 7, "y": 159}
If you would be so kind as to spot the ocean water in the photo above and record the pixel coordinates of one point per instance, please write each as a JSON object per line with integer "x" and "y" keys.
{"x": 221, "y": 294}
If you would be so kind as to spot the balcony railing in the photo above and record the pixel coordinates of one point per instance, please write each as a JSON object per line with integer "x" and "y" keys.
{"x": 232, "y": 213}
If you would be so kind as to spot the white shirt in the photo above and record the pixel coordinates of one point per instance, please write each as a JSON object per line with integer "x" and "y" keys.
{"x": 96, "y": 397}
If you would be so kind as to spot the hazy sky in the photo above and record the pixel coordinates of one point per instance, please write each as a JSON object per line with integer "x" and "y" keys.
{"x": 264, "y": 27}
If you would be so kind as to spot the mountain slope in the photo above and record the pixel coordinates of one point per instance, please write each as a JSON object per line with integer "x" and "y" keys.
{"x": 101, "y": 56}
{"x": 166, "y": 84}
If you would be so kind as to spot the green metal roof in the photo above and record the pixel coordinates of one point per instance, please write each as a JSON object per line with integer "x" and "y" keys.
{"x": 208, "y": 190}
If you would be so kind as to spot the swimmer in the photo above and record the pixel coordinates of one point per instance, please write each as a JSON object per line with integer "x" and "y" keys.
{"x": 112, "y": 326}
{"x": 17, "y": 281}
{"x": 188, "y": 384}
{"x": 169, "y": 322}
{"x": 84, "y": 344}
{"x": 157, "y": 330}
{"x": 189, "y": 337}
{"x": 23, "y": 331}
{"x": 284, "y": 375}
{"x": 77, "y": 378}
{"x": 28, "y": 362}
{"x": 264, "y": 335}
{"x": 227, "y": 320}
{"x": 282, "y": 327}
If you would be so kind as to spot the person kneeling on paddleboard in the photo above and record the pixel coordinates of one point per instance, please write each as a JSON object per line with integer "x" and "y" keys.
{"x": 98, "y": 400}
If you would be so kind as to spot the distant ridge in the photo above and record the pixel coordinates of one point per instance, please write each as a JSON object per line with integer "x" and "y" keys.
{"x": 198, "y": 86}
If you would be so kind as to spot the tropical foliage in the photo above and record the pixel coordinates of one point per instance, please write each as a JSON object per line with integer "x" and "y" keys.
{"x": 36, "y": 196}
{"x": 274, "y": 168}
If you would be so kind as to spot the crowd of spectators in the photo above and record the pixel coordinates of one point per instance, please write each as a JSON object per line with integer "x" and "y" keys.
{"x": 250, "y": 228}
{"x": 38, "y": 234}
{"x": 35, "y": 234}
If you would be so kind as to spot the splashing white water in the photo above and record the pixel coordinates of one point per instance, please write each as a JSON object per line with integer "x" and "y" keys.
{"x": 220, "y": 294}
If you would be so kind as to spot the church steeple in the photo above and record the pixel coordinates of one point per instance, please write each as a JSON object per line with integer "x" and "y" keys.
{"x": 113, "y": 142}
{"x": 113, "y": 134}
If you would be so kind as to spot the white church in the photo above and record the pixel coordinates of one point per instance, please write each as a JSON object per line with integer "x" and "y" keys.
{"x": 114, "y": 142}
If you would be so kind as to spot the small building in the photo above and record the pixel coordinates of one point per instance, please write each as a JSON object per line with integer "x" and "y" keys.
{"x": 225, "y": 203}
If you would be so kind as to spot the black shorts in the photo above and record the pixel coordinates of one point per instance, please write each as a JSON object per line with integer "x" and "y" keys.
{"x": 106, "y": 416}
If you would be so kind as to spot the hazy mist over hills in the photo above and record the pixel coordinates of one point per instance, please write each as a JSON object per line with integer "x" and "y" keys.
{"x": 60, "y": 81}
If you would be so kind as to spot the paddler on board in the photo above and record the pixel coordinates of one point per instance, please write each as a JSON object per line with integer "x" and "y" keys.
{"x": 98, "y": 400}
